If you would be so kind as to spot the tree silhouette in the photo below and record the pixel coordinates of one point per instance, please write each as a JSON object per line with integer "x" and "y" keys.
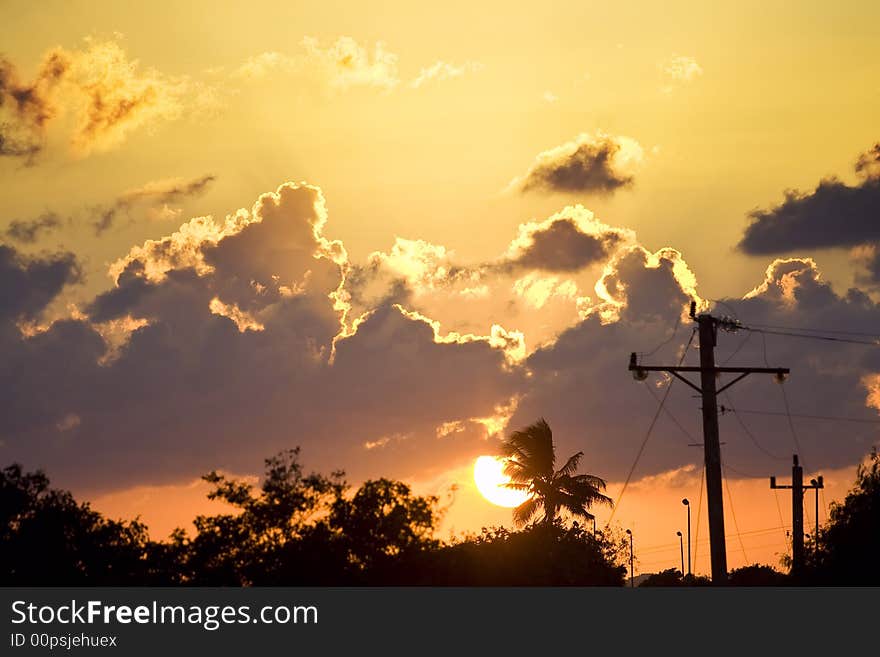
{"x": 542, "y": 554}
{"x": 530, "y": 464}
{"x": 48, "y": 539}
{"x": 305, "y": 529}
{"x": 850, "y": 542}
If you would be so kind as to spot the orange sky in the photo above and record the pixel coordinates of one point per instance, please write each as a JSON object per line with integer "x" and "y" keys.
{"x": 392, "y": 234}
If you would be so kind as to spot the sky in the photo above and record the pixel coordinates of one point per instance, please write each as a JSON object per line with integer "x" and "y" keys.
{"x": 393, "y": 233}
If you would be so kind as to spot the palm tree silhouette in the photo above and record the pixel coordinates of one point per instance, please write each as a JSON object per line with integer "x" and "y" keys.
{"x": 530, "y": 462}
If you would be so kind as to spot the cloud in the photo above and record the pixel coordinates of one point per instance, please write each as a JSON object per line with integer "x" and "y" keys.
{"x": 29, "y": 284}
{"x": 441, "y": 70}
{"x": 341, "y": 65}
{"x": 32, "y": 102}
{"x": 534, "y": 288}
{"x": 228, "y": 340}
{"x": 834, "y": 214}
{"x": 107, "y": 95}
{"x": 594, "y": 164}
{"x": 868, "y": 163}
{"x": 580, "y": 383}
{"x": 236, "y": 332}
{"x": 26, "y": 147}
{"x": 679, "y": 70}
{"x": 346, "y": 64}
{"x": 565, "y": 242}
{"x": 156, "y": 194}
{"x": 29, "y": 231}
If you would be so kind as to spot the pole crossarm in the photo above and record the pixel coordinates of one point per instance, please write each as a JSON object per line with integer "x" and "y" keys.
{"x": 675, "y": 369}
{"x": 718, "y": 370}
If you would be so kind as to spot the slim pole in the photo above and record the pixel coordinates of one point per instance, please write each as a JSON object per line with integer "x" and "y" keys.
{"x": 712, "y": 449}
{"x": 631, "y": 572}
{"x": 797, "y": 516}
{"x": 688, "y": 505}
{"x": 681, "y": 548}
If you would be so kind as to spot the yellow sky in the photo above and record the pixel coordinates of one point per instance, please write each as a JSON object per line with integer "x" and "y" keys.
{"x": 785, "y": 98}
{"x": 770, "y": 97}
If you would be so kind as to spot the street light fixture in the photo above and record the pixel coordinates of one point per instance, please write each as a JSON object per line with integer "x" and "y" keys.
{"x": 688, "y": 505}
{"x": 631, "y": 580}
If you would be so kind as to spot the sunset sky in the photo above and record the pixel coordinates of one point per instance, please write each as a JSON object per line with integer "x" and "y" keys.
{"x": 392, "y": 232}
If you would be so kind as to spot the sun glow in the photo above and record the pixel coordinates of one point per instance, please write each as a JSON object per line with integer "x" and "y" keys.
{"x": 490, "y": 480}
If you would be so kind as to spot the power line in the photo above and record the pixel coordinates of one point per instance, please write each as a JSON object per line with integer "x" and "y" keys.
{"x": 736, "y": 351}
{"x": 812, "y": 330}
{"x": 749, "y": 433}
{"x": 728, "y": 306}
{"x": 699, "y": 508}
{"x": 743, "y": 474}
{"x": 733, "y": 515}
{"x": 728, "y": 537}
{"x": 666, "y": 341}
{"x": 794, "y": 435}
{"x": 648, "y": 433}
{"x": 779, "y": 509}
{"x": 827, "y": 338}
{"x": 830, "y": 418}
{"x": 671, "y": 416}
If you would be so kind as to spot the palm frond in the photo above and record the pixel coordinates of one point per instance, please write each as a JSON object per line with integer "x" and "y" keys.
{"x": 592, "y": 480}
{"x": 518, "y": 471}
{"x": 571, "y": 465}
{"x": 524, "y": 512}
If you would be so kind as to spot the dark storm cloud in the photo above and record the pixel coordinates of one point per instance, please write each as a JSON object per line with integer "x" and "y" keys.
{"x": 599, "y": 164}
{"x": 832, "y": 215}
{"x": 29, "y": 231}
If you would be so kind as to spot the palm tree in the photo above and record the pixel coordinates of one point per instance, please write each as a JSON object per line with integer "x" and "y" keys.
{"x": 530, "y": 462}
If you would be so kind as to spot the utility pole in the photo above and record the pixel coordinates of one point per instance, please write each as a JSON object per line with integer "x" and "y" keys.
{"x": 708, "y": 333}
{"x": 797, "y": 511}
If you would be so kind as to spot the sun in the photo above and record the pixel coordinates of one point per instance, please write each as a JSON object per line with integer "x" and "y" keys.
{"x": 489, "y": 477}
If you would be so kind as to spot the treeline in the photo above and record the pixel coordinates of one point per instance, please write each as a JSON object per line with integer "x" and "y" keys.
{"x": 311, "y": 529}
{"x": 294, "y": 529}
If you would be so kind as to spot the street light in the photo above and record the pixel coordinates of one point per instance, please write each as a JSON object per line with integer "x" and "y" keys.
{"x": 681, "y": 547}
{"x": 631, "y": 581}
{"x": 688, "y": 505}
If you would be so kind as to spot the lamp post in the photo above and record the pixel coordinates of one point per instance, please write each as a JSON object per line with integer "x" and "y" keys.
{"x": 631, "y": 580}
{"x": 681, "y": 548}
{"x": 688, "y": 505}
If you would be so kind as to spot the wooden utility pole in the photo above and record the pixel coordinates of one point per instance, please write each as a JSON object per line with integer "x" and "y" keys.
{"x": 797, "y": 512}
{"x": 708, "y": 333}
{"x": 712, "y": 448}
